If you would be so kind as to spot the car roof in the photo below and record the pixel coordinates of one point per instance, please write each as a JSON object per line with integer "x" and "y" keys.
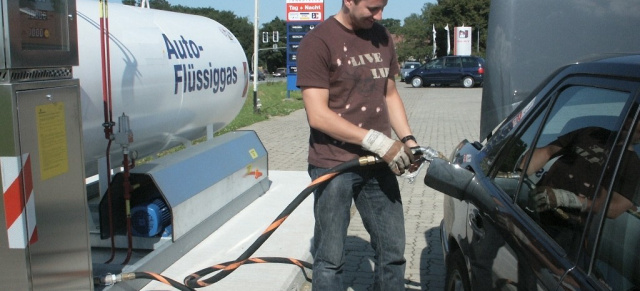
{"x": 621, "y": 66}
{"x": 625, "y": 66}
{"x": 520, "y": 55}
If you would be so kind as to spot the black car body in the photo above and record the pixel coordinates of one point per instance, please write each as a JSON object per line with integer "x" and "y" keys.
{"x": 492, "y": 236}
{"x": 467, "y": 71}
{"x": 543, "y": 84}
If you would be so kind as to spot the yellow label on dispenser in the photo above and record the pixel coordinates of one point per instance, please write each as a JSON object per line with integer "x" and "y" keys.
{"x": 52, "y": 140}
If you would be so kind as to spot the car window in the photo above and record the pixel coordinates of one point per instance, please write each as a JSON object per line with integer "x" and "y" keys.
{"x": 435, "y": 64}
{"x": 550, "y": 180}
{"x": 453, "y": 62}
{"x": 469, "y": 62}
{"x": 618, "y": 258}
{"x": 497, "y": 140}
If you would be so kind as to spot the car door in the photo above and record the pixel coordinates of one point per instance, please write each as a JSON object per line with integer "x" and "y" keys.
{"x": 452, "y": 71}
{"x": 431, "y": 72}
{"x": 524, "y": 247}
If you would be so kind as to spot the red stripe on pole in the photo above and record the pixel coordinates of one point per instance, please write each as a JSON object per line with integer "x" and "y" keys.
{"x": 13, "y": 201}
{"x": 19, "y": 201}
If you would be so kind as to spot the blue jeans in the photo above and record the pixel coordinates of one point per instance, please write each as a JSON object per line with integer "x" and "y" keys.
{"x": 376, "y": 194}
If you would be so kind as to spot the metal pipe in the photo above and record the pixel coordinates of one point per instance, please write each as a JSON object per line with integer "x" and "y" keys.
{"x": 127, "y": 198}
{"x": 124, "y": 137}
{"x": 108, "y": 110}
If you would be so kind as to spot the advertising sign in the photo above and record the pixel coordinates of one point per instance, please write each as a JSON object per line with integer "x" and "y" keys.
{"x": 305, "y": 10}
{"x": 302, "y": 17}
{"x": 462, "y": 43}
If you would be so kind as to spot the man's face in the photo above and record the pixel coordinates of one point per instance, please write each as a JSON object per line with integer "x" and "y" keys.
{"x": 365, "y": 13}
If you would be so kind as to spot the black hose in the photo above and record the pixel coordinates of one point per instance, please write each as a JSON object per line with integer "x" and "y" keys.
{"x": 193, "y": 280}
{"x": 163, "y": 279}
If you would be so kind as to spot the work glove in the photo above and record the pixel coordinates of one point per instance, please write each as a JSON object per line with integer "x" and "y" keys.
{"x": 549, "y": 198}
{"x": 393, "y": 152}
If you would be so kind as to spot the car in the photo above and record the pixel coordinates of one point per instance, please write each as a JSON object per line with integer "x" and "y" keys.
{"x": 516, "y": 220}
{"x": 280, "y": 72}
{"x": 407, "y": 67}
{"x": 494, "y": 232}
{"x": 467, "y": 71}
{"x": 261, "y": 76}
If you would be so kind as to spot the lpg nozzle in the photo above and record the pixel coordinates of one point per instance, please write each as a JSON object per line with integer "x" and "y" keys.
{"x": 422, "y": 156}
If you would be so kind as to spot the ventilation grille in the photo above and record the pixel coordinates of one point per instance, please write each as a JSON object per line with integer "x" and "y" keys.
{"x": 26, "y": 75}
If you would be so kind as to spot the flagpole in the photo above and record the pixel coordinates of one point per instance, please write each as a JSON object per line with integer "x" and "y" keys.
{"x": 478, "y": 50}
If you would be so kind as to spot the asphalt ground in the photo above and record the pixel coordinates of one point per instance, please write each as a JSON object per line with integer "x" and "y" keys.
{"x": 440, "y": 117}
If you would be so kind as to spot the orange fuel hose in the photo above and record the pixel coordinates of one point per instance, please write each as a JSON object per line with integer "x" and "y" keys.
{"x": 196, "y": 280}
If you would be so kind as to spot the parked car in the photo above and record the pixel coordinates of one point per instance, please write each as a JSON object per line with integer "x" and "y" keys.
{"x": 495, "y": 233}
{"x": 467, "y": 71}
{"x": 514, "y": 219}
{"x": 407, "y": 67}
{"x": 280, "y": 72}
{"x": 261, "y": 76}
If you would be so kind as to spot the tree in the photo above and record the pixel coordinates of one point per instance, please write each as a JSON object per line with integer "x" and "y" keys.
{"x": 272, "y": 59}
{"x": 159, "y": 4}
{"x": 241, "y": 28}
{"x": 473, "y": 13}
{"x": 417, "y": 41}
{"x": 393, "y": 25}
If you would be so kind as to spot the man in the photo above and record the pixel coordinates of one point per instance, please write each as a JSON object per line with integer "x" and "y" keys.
{"x": 346, "y": 70}
{"x": 573, "y": 177}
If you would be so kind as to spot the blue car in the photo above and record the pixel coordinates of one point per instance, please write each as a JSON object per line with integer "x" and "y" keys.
{"x": 467, "y": 71}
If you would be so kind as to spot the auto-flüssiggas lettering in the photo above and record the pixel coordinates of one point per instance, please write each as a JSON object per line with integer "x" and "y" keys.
{"x": 191, "y": 78}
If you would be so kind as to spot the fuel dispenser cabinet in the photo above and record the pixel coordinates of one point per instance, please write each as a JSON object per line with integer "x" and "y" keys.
{"x": 44, "y": 236}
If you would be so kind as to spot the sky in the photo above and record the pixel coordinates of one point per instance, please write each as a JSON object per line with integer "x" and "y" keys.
{"x": 269, "y": 9}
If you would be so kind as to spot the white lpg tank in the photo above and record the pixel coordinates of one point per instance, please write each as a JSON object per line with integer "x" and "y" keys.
{"x": 171, "y": 73}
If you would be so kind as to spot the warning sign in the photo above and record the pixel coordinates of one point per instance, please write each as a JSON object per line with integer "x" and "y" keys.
{"x": 52, "y": 140}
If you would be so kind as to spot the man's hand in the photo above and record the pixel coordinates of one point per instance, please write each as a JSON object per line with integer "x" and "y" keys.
{"x": 549, "y": 198}
{"x": 393, "y": 152}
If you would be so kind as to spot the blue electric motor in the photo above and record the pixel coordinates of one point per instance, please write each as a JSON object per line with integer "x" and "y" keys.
{"x": 148, "y": 220}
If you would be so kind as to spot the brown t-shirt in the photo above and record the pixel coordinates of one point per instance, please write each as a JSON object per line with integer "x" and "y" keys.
{"x": 355, "y": 67}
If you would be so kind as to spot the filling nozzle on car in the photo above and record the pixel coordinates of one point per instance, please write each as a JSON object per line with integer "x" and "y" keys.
{"x": 423, "y": 155}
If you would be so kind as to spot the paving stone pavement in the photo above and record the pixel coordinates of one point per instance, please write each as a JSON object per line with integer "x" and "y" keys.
{"x": 440, "y": 117}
